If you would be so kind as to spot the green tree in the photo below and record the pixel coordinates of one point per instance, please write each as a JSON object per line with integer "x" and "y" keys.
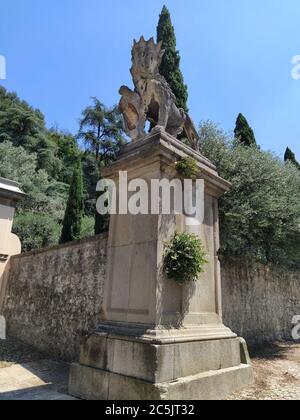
{"x": 67, "y": 152}
{"x": 19, "y": 123}
{"x": 72, "y": 223}
{"x": 243, "y": 132}
{"x": 36, "y": 230}
{"x": 39, "y": 215}
{"x": 170, "y": 66}
{"x": 44, "y": 195}
{"x": 24, "y": 126}
{"x": 289, "y": 156}
{"x": 101, "y": 130}
{"x": 260, "y": 215}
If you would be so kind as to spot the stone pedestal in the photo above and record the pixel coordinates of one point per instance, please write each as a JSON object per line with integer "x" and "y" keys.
{"x": 159, "y": 340}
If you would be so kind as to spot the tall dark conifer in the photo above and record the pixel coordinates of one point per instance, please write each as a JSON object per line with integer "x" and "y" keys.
{"x": 72, "y": 224}
{"x": 289, "y": 156}
{"x": 243, "y": 132}
{"x": 101, "y": 221}
{"x": 170, "y": 66}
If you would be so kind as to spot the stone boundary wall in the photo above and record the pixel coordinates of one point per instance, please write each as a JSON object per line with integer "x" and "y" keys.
{"x": 53, "y": 297}
{"x": 259, "y": 302}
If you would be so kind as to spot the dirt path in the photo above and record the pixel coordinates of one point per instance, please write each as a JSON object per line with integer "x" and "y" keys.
{"x": 277, "y": 374}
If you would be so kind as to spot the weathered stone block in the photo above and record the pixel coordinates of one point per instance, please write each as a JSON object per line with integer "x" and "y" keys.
{"x": 96, "y": 384}
{"x": 159, "y": 363}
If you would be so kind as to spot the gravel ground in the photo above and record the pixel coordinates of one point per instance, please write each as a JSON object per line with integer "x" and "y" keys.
{"x": 277, "y": 373}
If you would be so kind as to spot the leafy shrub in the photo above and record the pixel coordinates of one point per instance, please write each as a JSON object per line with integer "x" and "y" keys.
{"x": 184, "y": 258}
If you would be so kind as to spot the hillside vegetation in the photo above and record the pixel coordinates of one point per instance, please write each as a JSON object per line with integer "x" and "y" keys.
{"x": 43, "y": 161}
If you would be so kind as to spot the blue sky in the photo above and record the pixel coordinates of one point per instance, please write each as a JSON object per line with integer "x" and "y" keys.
{"x": 236, "y": 57}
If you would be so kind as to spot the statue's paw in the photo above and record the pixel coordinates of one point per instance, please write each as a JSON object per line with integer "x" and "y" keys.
{"x": 175, "y": 132}
{"x": 158, "y": 128}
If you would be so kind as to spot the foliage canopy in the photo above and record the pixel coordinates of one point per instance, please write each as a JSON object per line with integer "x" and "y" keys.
{"x": 260, "y": 216}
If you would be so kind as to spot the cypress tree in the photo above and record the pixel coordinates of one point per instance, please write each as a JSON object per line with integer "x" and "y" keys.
{"x": 71, "y": 230}
{"x": 170, "y": 66}
{"x": 289, "y": 156}
{"x": 101, "y": 222}
{"x": 243, "y": 132}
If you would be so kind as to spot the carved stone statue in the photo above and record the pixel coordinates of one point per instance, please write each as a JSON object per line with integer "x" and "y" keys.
{"x": 152, "y": 99}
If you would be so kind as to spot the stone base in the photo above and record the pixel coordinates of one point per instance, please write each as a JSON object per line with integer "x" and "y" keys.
{"x": 95, "y": 384}
{"x": 123, "y": 368}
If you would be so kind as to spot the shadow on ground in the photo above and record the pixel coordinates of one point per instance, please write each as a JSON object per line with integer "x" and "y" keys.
{"x": 28, "y": 374}
{"x": 272, "y": 351}
{"x": 40, "y": 380}
{"x": 39, "y": 393}
{"x": 13, "y": 351}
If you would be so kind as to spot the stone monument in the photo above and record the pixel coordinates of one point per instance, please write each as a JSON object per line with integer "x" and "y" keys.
{"x": 159, "y": 340}
{"x": 10, "y": 194}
